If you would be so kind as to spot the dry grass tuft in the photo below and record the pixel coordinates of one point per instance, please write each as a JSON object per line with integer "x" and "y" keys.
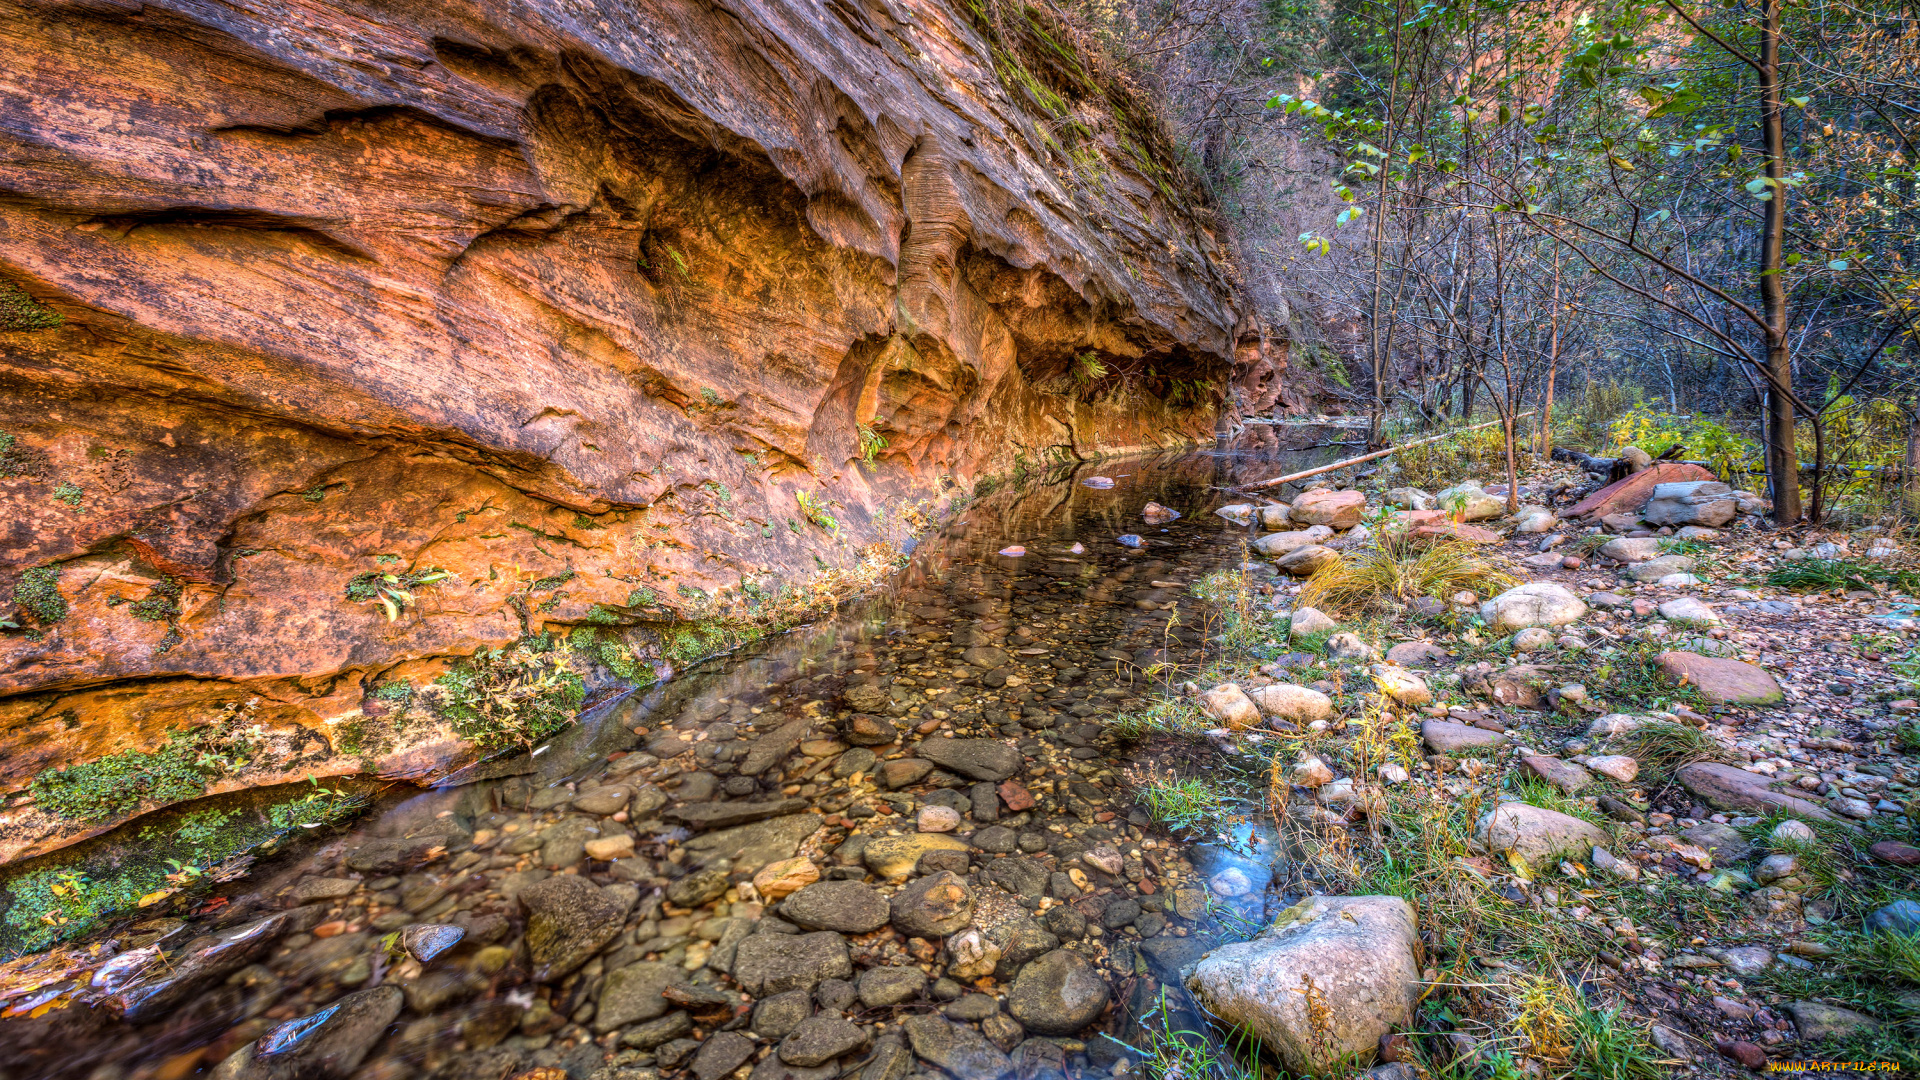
{"x": 1397, "y": 570}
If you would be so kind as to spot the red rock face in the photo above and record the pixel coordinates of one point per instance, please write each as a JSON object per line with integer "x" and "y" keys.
{"x": 569, "y": 303}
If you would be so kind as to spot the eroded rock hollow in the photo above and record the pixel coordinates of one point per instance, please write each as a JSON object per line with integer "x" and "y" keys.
{"x": 341, "y": 341}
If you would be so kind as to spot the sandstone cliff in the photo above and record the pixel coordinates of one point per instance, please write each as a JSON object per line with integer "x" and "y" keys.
{"x": 389, "y": 332}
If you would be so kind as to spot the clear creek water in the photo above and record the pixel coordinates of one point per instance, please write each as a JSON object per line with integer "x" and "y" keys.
{"x": 592, "y": 911}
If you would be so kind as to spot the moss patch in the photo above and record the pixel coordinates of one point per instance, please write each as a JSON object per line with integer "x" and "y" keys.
{"x": 164, "y": 860}
{"x": 18, "y": 311}
{"x": 38, "y": 594}
{"x": 518, "y": 695}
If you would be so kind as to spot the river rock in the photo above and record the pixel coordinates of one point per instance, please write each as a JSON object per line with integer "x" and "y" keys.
{"x": 1308, "y": 561}
{"x": 720, "y": 1055}
{"x": 1691, "y": 502}
{"x": 568, "y": 919}
{"x": 882, "y": 987}
{"x": 186, "y": 974}
{"x": 1401, "y": 685}
{"x": 981, "y": 759}
{"x": 1564, "y": 775}
{"x": 847, "y": 907}
{"x": 1276, "y": 516}
{"x": 1720, "y": 680}
{"x": 1632, "y": 549}
{"x": 821, "y": 1039}
{"x": 1230, "y": 706}
{"x": 1299, "y": 705}
{"x": 1409, "y": 498}
{"x": 1415, "y": 654}
{"x": 1240, "y": 514}
{"x": 1537, "y": 836}
{"x": 1448, "y": 737}
{"x": 1534, "y": 519}
{"x": 1282, "y": 543}
{"x": 1345, "y": 646}
{"x": 1658, "y": 568}
{"x": 1626, "y": 497}
{"x": 1334, "y": 509}
{"x": 328, "y": 1044}
{"x": 1724, "y": 842}
{"x": 778, "y": 880}
{"x": 1818, "y": 1022}
{"x": 772, "y": 748}
{"x": 1900, "y": 917}
{"x": 903, "y": 772}
{"x": 1058, "y": 994}
{"x": 634, "y": 993}
{"x": 1725, "y": 787}
{"x": 958, "y": 1050}
{"x": 722, "y": 815}
{"x": 1330, "y": 977}
{"x": 933, "y": 906}
{"x": 893, "y": 858}
{"x": 1618, "y": 767}
{"x": 1308, "y": 620}
{"x": 1537, "y": 603}
{"x": 771, "y": 963}
{"x": 754, "y": 846}
{"x": 1469, "y": 502}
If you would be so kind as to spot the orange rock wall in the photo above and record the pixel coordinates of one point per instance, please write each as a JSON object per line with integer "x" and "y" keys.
{"x": 569, "y": 300}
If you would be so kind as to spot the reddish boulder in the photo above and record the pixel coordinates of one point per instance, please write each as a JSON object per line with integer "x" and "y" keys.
{"x": 1720, "y": 680}
{"x": 1334, "y": 509}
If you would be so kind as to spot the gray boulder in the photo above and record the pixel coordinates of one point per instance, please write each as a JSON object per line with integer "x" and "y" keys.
{"x": 1323, "y": 983}
{"x": 1058, "y": 994}
{"x": 1537, "y": 836}
{"x": 1691, "y": 502}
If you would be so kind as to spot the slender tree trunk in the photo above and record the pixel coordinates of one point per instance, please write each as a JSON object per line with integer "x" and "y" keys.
{"x": 1553, "y": 363}
{"x": 1910, "y": 469}
{"x": 1783, "y": 459}
{"x": 1377, "y": 352}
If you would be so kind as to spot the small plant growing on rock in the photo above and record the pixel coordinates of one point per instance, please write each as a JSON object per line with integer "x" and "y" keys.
{"x": 393, "y": 591}
{"x": 871, "y": 443}
{"x": 815, "y": 509}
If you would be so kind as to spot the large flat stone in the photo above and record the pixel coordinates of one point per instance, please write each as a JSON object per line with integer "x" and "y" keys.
{"x": 1447, "y": 737}
{"x": 1538, "y": 836}
{"x": 980, "y": 759}
{"x": 768, "y": 964}
{"x": 1725, "y": 787}
{"x": 1719, "y": 680}
{"x": 720, "y": 815}
{"x": 754, "y": 846}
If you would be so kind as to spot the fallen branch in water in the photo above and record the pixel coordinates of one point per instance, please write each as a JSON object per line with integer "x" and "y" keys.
{"x": 1290, "y": 477}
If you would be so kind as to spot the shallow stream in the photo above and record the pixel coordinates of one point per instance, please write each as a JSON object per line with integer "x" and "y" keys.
{"x": 619, "y": 905}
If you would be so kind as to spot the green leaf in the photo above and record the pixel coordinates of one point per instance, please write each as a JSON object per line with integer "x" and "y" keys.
{"x": 1798, "y": 102}
{"x": 393, "y": 610}
{"x": 1794, "y": 259}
